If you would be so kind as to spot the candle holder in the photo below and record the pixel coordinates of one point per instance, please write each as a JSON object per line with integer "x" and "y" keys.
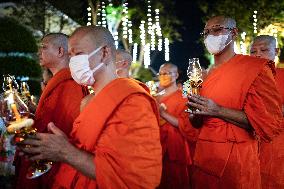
{"x": 194, "y": 82}
{"x": 16, "y": 114}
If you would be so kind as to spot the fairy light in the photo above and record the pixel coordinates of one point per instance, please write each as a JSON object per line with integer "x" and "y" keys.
{"x": 130, "y": 39}
{"x": 242, "y": 43}
{"x": 134, "y": 52}
{"x": 142, "y": 33}
{"x": 158, "y": 30}
{"x": 99, "y": 15}
{"x": 167, "y": 49}
{"x": 104, "y": 23}
{"x": 125, "y": 21}
{"x": 153, "y": 38}
{"x": 255, "y": 22}
{"x": 115, "y": 37}
{"x": 89, "y": 16}
{"x": 147, "y": 59}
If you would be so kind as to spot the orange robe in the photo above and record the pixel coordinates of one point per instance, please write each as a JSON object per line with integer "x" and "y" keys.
{"x": 176, "y": 154}
{"x": 120, "y": 127}
{"x": 272, "y": 154}
{"x": 226, "y": 156}
{"x": 59, "y": 103}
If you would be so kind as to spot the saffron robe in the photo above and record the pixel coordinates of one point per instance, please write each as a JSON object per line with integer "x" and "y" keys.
{"x": 272, "y": 153}
{"x": 59, "y": 103}
{"x": 226, "y": 156}
{"x": 176, "y": 154}
{"x": 119, "y": 126}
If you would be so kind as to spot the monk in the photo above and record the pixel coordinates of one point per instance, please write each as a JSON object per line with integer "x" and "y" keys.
{"x": 271, "y": 154}
{"x": 123, "y": 60}
{"x": 238, "y": 105}
{"x": 59, "y": 103}
{"x": 176, "y": 155}
{"x": 114, "y": 142}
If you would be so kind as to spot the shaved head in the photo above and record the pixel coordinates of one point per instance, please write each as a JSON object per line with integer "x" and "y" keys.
{"x": 264, "y": 46}
{"x": 270, "y": 40}
{"x": 223, "y": 20}
{"x": 97, "y": 35}
{"x": 170, "y": 66}
{"x": 58, "y": 40}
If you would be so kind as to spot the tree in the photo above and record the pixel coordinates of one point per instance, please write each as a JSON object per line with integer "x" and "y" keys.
{"x": 17, "y": 52}
{"x": 268, "y": 11}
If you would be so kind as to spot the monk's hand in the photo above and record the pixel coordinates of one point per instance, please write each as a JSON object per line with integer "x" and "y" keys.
{"x": 204, "y": 106}
{"x": 47, "y": 146}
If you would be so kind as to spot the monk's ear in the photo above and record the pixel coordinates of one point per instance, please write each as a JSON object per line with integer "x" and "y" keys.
{"x": 234, "y": 33}
{"x": 124, "y": 64}
{"x": 106, "y": 54}
{"x": 60, "y": 52}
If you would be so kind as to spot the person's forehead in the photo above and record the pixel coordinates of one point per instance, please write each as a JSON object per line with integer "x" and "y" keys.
{"x": 215, "y": 22}
{"x": 167, "y": 68}
{"x": 79, "y": 42}
{"x": 261, "y": 43}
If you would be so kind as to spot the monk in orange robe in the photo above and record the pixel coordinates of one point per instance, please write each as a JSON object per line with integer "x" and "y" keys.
{"x": 238, "y": 105}
{"x": 271, "y": 153}
{"x": 123, "y": 62}
{"x": 176, "y": 154}
{"x": 59, "y": 103}
{"x": 114, "y": 142}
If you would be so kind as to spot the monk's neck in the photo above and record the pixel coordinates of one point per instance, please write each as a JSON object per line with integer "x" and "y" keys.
{"x": 224, "y": 56}
{"x": 172, "y": 88}
{"x": 102, "y": 81}
{"x": 57, "y": 67}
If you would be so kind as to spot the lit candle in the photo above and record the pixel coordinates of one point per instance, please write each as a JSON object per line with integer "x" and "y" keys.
{"x": 15, "y": 111}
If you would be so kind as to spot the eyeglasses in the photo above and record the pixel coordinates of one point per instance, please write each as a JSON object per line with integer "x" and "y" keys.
{"x": 165, "y": 73}
{"x": 214, "y": 30}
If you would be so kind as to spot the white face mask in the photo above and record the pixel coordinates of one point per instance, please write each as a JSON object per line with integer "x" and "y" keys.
{"x": 216, "y": 44}
{"x": 80, "y": 68}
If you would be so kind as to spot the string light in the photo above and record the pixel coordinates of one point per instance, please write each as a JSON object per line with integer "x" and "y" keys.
{"x": 142, "y": 33}
{"x": 130, "y": 40}
{"x": 115, "y": 37}
{"x": 104, "y": 23}
{"x": 125, "y": 20}
{"x": 99, "y": 15}
{"x": 255, "y": 22}
{"x": 158, "y": 29}
{"x": 89, "y": 16}
{"x": 134, "y": 52}
{"x": 167, "y": 49}
{"x": 147, "y": 58}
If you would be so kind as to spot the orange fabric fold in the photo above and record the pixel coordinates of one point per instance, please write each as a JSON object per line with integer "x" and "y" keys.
{"x": 120, "y": 127}
{"x": 176, "y": 153}
{"x": 272, "y": 153}
{"x": 226, "y": 156}
{"x": 59, "y": 103}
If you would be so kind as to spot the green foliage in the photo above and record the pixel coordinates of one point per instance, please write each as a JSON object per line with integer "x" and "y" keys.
{"x": 268, "y": 11}
{"x": 20, "y": 66}
{"x": 15, "y": 37}
{"x": 140, "y": 73}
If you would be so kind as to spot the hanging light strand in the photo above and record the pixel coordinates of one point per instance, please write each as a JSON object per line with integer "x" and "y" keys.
{"x": 89, "y": 16}
{"x": 167, "y": 49}
{"x": 158, "y": 30}
{"x": 254, "y": 22}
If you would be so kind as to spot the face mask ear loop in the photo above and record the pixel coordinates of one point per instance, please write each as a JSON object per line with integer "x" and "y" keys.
{"x": 94, "y": 52}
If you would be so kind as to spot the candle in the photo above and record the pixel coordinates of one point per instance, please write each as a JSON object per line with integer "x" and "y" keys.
{"x": 15, "y": 111}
